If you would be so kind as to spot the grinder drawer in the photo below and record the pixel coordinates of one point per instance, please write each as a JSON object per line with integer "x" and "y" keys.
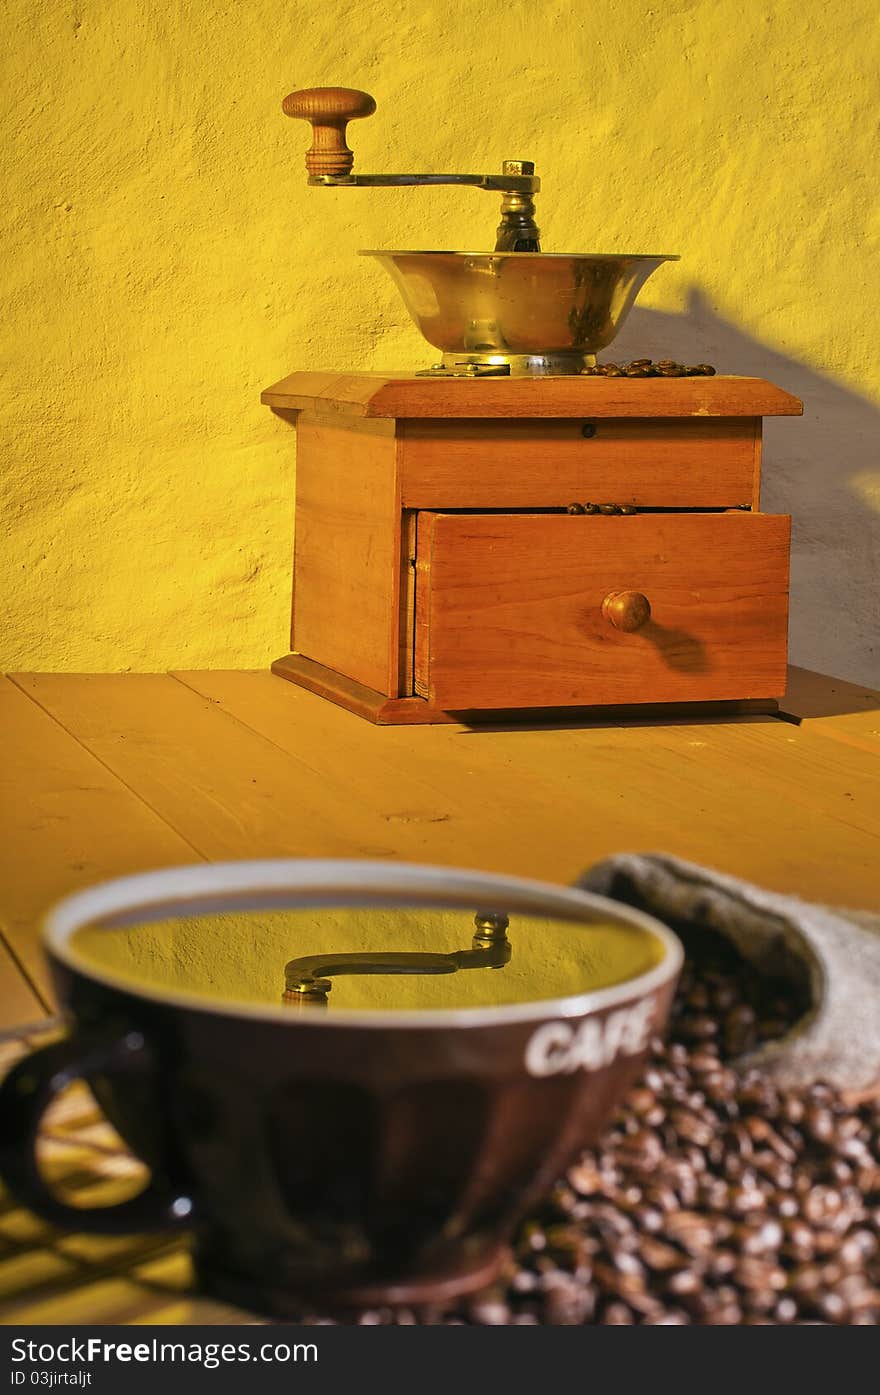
{"x": 531, "y": 610}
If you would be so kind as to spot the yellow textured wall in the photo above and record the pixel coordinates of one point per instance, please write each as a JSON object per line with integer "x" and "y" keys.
{"x": 163, "y": 261}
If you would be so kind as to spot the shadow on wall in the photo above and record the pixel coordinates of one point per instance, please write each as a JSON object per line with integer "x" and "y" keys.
{"x": 822, "y": 468}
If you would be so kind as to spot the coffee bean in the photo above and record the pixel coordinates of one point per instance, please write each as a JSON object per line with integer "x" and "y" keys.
{"x": 720, "y": 1087}
{"x": 700, "y": 1028}
{"x": 690, "y": 1230}
{"x": 641, "y": 1099}
{"x": 739, "y": 1030}
{"x": 648, "y": 1219}
{"x": 746, "y": 1198}
{"x": 780, "y": 1147}
{"x": 754, "y": 1273}
{"x": 855, "y": 1151}
{"x": 585, "y": 1179}
{"x": 786, "y": 1310}
{"x": 617, "y": 1315}
{"x": 793, "y": 1109}
{"x": 532, "y": 1239}
{"x": 488, "y": 1309}
{"x": 660, "y": 1256}
{"x": 821, "y": 1205}
{"x": 760, "y": 1238}
{"x": 826, "y": 1242}
{"x": 852, "y": 1127}
{"x": 684, "y": 1281}
{"x": 698, "y": 1000}
{"x": 833, "y": 1307}
{"x": 691, "y": 1127}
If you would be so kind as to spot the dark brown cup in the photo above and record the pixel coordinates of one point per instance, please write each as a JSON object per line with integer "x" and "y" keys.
{"x": 333, "y": 1156}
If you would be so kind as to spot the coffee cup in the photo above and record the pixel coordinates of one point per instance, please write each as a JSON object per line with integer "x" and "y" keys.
{"x": 349, "y": 1080}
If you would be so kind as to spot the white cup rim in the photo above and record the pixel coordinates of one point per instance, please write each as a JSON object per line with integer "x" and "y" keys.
{"x": 289, "y": 882}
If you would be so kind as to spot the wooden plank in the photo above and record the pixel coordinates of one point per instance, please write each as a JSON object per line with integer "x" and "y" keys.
{"x": 34, "y": 1271}
{"x": 414, "y": 777}
{"x": 402, "y": 395}
{"x": 20, "y": 1002}
{"x": 757, "y": 798}
{"x": 833, "y": 707}
{"x": 347, "y": 551}
{"x": 173, "y": 1276}
{"x": 67, "y": 822}
{"x": 509, "y": 608}
{"x": 671, "y": 463}
{"x": 227, "y": 791}
{"x": 85, "y": 1300}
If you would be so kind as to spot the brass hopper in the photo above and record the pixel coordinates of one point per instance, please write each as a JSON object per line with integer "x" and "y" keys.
{"x": 515, "y": 310}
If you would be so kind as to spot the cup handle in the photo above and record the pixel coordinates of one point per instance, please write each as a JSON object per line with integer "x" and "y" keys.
{"x": 27, "y": 1092}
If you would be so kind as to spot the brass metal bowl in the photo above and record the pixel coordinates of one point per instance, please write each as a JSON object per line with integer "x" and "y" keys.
{"x": 532, "y": 311}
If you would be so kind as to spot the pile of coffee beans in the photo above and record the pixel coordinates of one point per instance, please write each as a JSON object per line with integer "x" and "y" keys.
{"x": 714, "y": 1197}
{"x": 647, "y": 368}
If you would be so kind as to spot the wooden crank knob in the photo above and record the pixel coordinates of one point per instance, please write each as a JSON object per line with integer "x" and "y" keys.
{"x": 329, "y": 109}
{"x": 626, "y": 610}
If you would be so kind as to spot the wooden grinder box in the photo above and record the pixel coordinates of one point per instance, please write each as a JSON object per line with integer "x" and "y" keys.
{"x": 439, "y": 574}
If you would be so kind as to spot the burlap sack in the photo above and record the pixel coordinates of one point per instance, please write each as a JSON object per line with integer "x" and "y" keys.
{"x": 837, "y": 951}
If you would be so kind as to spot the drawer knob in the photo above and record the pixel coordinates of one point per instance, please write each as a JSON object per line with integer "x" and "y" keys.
{"x": 626, "y": 610}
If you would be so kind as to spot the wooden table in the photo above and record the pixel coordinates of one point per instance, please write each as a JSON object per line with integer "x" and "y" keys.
{"x": 108, "y": 774}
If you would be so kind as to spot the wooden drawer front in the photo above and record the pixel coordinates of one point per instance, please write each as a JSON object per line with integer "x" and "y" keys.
{"x": 509, "y": 608}
{"x": 672, "y": 463}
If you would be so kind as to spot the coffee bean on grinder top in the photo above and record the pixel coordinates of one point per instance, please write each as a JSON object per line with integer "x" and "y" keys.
{"x": 647, "y": 368}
